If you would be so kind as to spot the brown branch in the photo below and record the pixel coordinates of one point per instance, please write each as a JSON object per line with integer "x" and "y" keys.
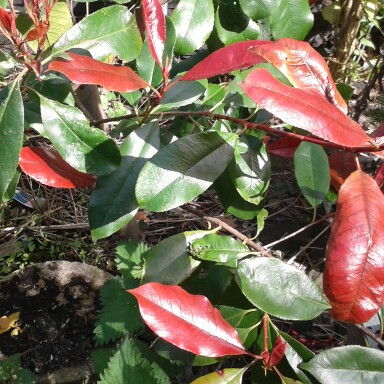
{"x": 253, "y": 126}
{"x": 229, "y": 229}
{"x": 370, "y": 335}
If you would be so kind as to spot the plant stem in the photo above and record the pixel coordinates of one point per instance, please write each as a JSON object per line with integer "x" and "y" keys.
{"x": 370, "y": 334}
{"x": 229, "y": 229}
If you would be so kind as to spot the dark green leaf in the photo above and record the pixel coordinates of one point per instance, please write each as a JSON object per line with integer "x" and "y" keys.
{"x": 182, "y": 93}
{"x": 113, "y": 203}
{"x": 183, "y": 170}
{"x": 231, "y": 200}
{"x": 232, "y": 25}
{"x": 251, "y": 169}
{"x": 10, "y": 192}
{"x": 169, "y": 262}
{"x": 296, "y": 353}
{"x": 193, "y": 21}
{"x": 110, "y": 30}
{"x": 11, "y": 133}
{"x": 312, "y": 172}
{"x": 11, "y": 372}
{"x": 280, "y": 289}
{"x": 219, "y": 248}
{"x": 87, "y": 149}
{"x": 352, "y": 364}
{"x": 100, "y": 359}
{"x": 120, "y": 314}
{"x": 291, "y": 18}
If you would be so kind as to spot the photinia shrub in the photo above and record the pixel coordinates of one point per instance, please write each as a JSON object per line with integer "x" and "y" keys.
{"x": 164, "y": 162}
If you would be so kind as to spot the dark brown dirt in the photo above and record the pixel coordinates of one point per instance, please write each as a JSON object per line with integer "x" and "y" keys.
{"x": 57, "y": 321}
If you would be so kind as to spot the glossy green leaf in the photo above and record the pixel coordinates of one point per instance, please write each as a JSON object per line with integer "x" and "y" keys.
{"x": 219, "y": 248}
{"x": 231, "y": 200}
{"x": 110, "y": 30}
{"x": 257, "y": 9}
{"x": 291, "y": 18}
{"x": 183, "y": 170}
{"x": 224, "y": 376}
{"x": 232, "y": 29}
{"x": 280, "y": 289}
{"x": 312, "y": 172}
{"x": 297, "y": 353}
{"x": 11, "y": 133}
{"x": 87, "y": 149}
{"x": 113, "y": 203}
{"x": 251, "y": 169}
{"x": 193, "y": 21}
{"x": 214, "y": 95}
{"x": 10, "y": 192}
{"x": 169, "y": 262}
{"x": 146, "y": 66}
{"x": 182, "y": 93}
{"x": 352, "y": 364}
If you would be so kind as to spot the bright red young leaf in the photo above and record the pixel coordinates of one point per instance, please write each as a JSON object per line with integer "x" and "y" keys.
{"x": 5, "y": 20}
{"x": 285, "y": 147}
{"x": 85, "y": 70}
{"x": 38, "y": 32}
{"x": 50, "y": 169}
{"x": 303, "y": 108}
{"x": 187, "y": 321}
{"x": 341, "y": 165}
{"x": 224, "y": 60}
{"x": 155, "y": 28}
{"x": 276, "y": 354}
{"x": 354, "y": 269}
{"x": 303, "y": 66}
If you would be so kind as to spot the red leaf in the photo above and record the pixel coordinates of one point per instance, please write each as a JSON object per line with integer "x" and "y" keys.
{"x": 354, "y": 269}
{"x": 277, "y": 353}
{"x": 5, "y": 20}
{"x": 303, "y": 66}
{"x": 341, "y": 165}
{"x": 85, "y": 70}
{"x": 187, "y": 321}
{"x": 40, "y": 31}
{"x": 224, "y": 60}
{"x": 50, "y": 169}
{"x": 379, "y": 177}
{"x": 303, "y": 108}
{"x": 285, "y": 147}
{"x": 155, "y": 28}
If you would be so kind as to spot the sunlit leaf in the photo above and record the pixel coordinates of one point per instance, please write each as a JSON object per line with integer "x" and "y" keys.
{"x": 85, "y": 70}
{"x": 9, "y": 322}
{"x": 303, "y": 66}
{"x": 350, "y": 364}
{"x": 155, "y": 28}
{"x": 183, "y": 169}
{"x": 224, "y": 60}
{"x": 193, "y": 20}
{"x": 176, "y": 315}
{"x": 280, "y": 289}
{"x": 11, "y": 133}
{"x": 109, "y": 30}
{"x": 87, "y": 149}
{"x": 49, "y": 168}
{"x": 354, "y": 268}
{"x": 304, "y": 109}
{"x": 218, "y": 248}
{"x": 223, "y": 376}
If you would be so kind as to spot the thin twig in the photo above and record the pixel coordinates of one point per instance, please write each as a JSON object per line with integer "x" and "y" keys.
{"x": 229, "y": 229}
{"x": 370, "y": 335}
{"x": 56, "y": 226}
{"x": 270, "y": 245}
